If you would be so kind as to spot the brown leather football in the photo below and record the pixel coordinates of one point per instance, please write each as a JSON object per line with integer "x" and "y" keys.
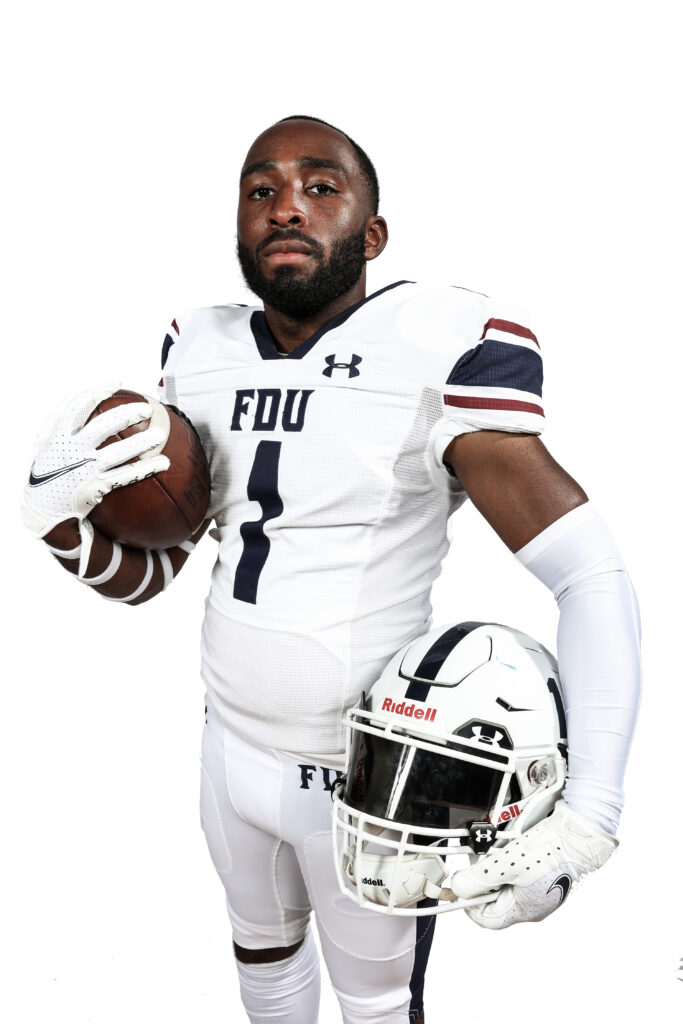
{"x": 167, "y": 508}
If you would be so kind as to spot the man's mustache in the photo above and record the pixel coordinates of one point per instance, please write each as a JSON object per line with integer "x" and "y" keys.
{"x": 289, "y": 235}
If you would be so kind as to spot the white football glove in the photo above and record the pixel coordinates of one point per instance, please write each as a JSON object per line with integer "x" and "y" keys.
{"x": 534, "y": 873}
{"x": 69, "y": 475}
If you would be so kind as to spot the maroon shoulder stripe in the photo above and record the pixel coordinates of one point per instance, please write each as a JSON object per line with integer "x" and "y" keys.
{"x": 174, "y": 325}
{"x": 510, "y": 328}
{"x": 470, "y": 402}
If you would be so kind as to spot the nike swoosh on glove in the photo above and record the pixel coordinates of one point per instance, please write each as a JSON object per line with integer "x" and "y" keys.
{"x": 535, "y": 872}
{"x": 71, "y": 473}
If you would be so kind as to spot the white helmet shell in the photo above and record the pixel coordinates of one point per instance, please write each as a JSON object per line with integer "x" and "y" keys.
{"x": 460, "y": 745}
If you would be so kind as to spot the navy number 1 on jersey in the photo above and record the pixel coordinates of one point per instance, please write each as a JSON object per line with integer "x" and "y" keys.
{"x": 262, "y": 487}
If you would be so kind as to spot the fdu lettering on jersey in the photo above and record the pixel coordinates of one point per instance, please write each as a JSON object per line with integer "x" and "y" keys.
{"x": 268, "y": 409}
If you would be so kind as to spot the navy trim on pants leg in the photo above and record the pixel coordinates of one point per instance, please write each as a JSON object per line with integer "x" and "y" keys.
{"x": 423, "y": 944}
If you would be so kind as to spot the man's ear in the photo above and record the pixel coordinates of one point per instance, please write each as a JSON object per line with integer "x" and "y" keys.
{"x": 376, "y": 237}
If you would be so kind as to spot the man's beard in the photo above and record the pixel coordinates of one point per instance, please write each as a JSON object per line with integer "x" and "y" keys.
{"x": 295, "y": 294}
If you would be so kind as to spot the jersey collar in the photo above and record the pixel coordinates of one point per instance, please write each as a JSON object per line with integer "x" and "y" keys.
{"x": 265, "y": 341}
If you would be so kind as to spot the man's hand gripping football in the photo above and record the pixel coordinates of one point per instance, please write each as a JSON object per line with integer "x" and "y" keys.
{"x": 71, "y": 474}
{"x": 535, "y": 872}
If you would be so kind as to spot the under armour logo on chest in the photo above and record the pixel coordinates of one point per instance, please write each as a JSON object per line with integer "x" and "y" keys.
{"x": 351, "y": 367}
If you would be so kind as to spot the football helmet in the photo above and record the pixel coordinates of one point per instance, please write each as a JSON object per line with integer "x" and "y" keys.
{"x": 459, "y": 747}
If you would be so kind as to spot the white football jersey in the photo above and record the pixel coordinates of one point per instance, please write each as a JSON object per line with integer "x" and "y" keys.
{"x": 329, "y": 493}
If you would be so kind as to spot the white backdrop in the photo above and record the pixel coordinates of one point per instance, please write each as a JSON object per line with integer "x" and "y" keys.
{"x": 528, "y": 150}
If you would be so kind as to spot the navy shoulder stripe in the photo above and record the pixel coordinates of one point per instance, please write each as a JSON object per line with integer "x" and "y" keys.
{"x": 165, "y": 349}
{"x": 498, "y": 364}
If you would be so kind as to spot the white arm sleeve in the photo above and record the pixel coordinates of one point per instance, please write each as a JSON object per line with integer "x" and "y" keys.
{"x": 598, "y": 649}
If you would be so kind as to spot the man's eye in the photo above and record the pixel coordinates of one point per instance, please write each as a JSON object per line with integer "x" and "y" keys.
{"x": 261, "y": 192}
{"x": 324, "y": 189}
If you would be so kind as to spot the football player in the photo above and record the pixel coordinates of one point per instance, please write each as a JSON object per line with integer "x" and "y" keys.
{"x": 342, "y": 431}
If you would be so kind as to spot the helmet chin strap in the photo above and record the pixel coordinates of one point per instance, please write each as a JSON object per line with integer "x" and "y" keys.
{"x": 436, "y": 892}
{"x": 417, "y": 871}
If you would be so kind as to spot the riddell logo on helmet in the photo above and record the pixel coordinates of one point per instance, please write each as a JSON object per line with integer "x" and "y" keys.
{"x": 373, "y": 881}
{"x": 409, "y": 710}
{"x": 509, "y": 813}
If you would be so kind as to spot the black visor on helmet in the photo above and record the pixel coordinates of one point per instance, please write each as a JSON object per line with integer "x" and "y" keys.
{"x": 411, "y": 786}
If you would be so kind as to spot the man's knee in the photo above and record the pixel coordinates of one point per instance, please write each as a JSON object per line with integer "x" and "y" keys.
{"x": 266, "y": 956}
{"x": 387, "y": 1004}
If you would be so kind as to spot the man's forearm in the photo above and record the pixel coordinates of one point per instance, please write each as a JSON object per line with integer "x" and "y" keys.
{"x": 125, "y": 574}
{"x": 598, "y": 655}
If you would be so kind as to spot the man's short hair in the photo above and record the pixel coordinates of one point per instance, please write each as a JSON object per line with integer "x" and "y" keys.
{"x": 365, "y": 164}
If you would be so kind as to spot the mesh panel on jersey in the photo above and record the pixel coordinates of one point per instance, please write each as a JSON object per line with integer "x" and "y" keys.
{"x": 409, "y": 468}
{"x": 414, "y": 525}
{"x": 169, "y": 388}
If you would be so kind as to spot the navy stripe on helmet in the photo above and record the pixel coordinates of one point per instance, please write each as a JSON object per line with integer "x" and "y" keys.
{"x": 559, "y": 707}
{"x": 433, "y": 660}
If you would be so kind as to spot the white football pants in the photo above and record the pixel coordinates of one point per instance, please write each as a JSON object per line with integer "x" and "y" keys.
{"x": 267, "y": 821}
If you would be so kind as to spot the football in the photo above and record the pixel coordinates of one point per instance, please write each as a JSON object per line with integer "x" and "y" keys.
{"x": 167, "y": 508}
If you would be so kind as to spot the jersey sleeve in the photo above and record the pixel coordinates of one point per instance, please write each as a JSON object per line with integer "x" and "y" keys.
{"x": 496, "y": 384}
{"x": 166, "y": 388}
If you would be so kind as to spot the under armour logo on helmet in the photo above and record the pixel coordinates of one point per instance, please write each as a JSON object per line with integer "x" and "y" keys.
{"x": 482, "y": 836}
{"x": 351, "y": 367}
{"x": 487, "y": 734}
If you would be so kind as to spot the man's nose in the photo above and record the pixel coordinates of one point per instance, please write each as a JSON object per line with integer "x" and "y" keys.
{"x": 287, "y": 208}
